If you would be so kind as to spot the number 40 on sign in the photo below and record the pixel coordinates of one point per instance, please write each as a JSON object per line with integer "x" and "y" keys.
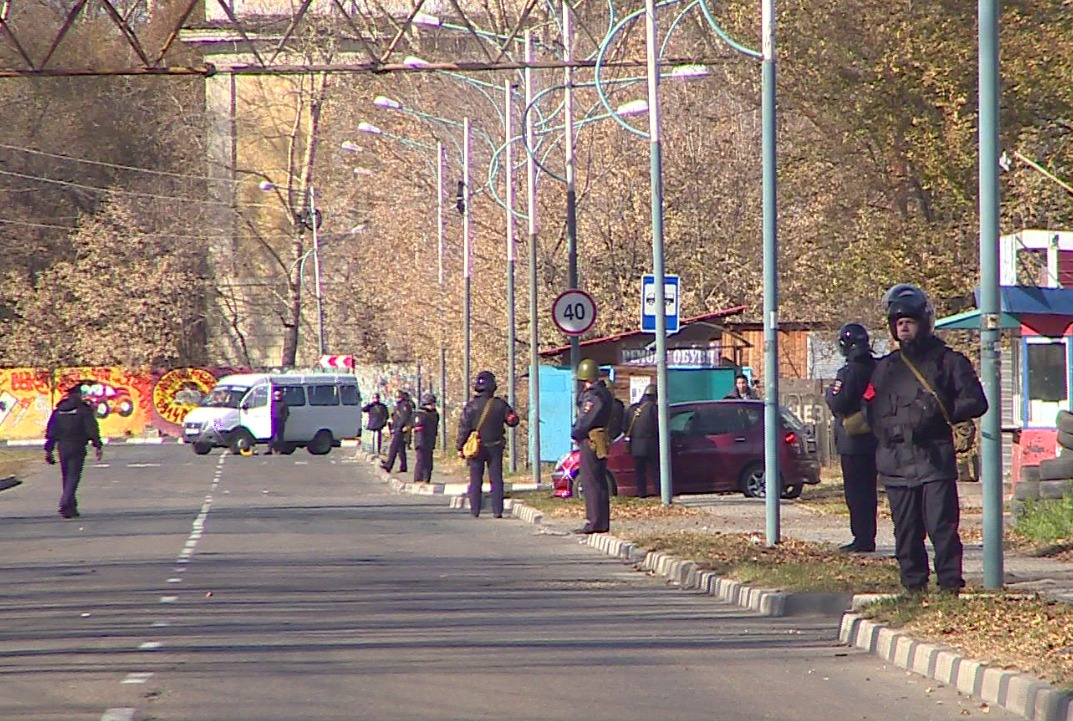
{"x": 574, "y": 312}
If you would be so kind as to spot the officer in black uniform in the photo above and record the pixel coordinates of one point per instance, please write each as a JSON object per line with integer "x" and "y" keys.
{"x": 426, "y": 426}
{"x": 915, "y": 457}
{"x": 642, "y": 438}
{"x": 70, "y": 427}
{"x": 590, "y": 434}
{"x": 844, "y": 397}
{"x": 402, "y": 420}
{"x": 377, "y": 419}
{"x": 279, "y": 414}
{"x": 492, "y": 434}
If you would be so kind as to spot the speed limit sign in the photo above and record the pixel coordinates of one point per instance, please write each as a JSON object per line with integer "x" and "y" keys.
{"x": 574, "y": 312}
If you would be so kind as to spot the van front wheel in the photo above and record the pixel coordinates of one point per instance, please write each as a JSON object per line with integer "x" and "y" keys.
{"x": 321, "y": 444}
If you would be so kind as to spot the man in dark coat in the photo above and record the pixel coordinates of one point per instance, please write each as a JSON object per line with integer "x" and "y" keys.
{"x": 590, "y": 433}
{"x": 280, "y": 413}
{"x": 917, "y": 393}
{"x": 402, "y": 423}
{"x": 489, "y": 416}
{"x": 375, "y": 421}
{"x": 857, "y": 450}
{"x": 642, "y": 438}
{"x": 70, "y": 427}
{"x": 426, "y": 426}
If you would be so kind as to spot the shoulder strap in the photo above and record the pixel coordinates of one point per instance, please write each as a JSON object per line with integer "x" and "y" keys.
{"x": 484, "y": 413}
{"x": 927, "y": 386}
{"x": 636, "y": 415}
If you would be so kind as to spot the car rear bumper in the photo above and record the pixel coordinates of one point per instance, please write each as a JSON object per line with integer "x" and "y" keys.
{"x": 806, "y": 472}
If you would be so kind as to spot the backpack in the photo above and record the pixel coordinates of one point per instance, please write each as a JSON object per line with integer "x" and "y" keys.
{"x": 615, "y": 422}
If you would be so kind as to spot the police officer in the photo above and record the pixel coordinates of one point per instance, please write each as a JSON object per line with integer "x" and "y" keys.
{"x": 590, "y": 433}
{"x": 375, "y": 421}
{"x": 426, "y": 426}
{"x": 279, "y": 414}
{"x": 642, "y": 438}
{"x": 402, "y": 419}
{"x": 488, "y": 415}
{"x": 915, "y": 457}
{"x": 69, "y": 428}
{"x": 856, "y": 445}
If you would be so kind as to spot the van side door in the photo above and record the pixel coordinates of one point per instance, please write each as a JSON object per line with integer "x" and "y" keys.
{"x": 256, "y": 412}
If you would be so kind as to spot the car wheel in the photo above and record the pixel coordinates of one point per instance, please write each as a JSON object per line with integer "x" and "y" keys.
{"x": 243, "y": 442}
{"x": 126, "y": 408}
{"x": 321, "y": 444}
{"x": 202, "y": 448}
{"x": 753, "y": 482}
{"x": 576, "y": 487}
{"x": 791, "y": 492}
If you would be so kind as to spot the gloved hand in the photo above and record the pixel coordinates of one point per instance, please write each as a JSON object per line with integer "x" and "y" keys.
{"x": 99, "y": 453}
{"x": 49, "y": 458}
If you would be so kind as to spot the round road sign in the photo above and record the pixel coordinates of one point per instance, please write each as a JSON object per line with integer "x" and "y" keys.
{"x": 574, "y": 312}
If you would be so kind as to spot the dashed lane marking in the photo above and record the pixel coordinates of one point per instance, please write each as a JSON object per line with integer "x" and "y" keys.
{"x": 119, "y": 714}
{"x": 141, "y": 677}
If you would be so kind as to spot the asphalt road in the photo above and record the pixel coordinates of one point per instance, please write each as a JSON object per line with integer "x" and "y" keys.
{"x": 222, "y": 588}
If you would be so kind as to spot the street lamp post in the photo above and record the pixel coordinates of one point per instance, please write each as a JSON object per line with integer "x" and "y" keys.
{"x": 534, "y": 334}
{"x": 440, "y": 277}
{"x": 508, "y": 132}
{"x": 314, "y": 222}
{"x": 571, "y": 191}
{"x": 467, "y": 260}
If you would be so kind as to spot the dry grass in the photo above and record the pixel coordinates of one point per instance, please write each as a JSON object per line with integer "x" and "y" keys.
{"x": 14, "y": 461}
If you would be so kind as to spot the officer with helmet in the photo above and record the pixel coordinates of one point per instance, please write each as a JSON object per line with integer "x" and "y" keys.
{"x": 855, "y": 443}
{"x": 642, "y": 438}
{"x": 487, "y": 415}
{"x": 590, "y": 434}
{"x": 426, "y": 426}
{"x": 918, "y": 392}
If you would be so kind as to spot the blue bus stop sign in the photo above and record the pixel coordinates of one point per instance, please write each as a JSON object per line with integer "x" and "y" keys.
{"x": 649, "y": 304}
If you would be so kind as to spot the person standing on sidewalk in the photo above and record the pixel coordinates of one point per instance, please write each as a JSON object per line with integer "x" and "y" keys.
{"x": 642, "y": 438}
{"x": 376, "y": 419}
{"x": 917, "y": 394}
{"x": 70, "y": 427}
{"x": 486, "y": 416}
{"x": 590, "y": 433}
{"x": 402, "y": 423}
{"x": 853, "y": 439}
{"x": 426, "y": 426}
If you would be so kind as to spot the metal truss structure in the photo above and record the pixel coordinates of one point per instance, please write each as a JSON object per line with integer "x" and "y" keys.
{"x": 41, "y": 38}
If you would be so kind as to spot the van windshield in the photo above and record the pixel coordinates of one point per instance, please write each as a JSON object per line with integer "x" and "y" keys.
{"x": 224, "y": 397}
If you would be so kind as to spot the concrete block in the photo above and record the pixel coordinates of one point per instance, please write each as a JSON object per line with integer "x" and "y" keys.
{"x": 970, "y": 676}
{"x": 1021, "y": 694}
{"x": 946, "y": 666}
{"x": 993, "y": 685}
{"x": 923, "y": 661}
{"x": 903, "y": 651}
{"x": 885, "y": 643}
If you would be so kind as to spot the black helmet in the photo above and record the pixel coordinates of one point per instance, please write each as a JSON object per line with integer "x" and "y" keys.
{"x": 650, "y": 390}
{"x": 485, "y": 381}
{"x": 909, "y": 301}
{"x": 852, "y": 338}
{"x": 428, "y": 399}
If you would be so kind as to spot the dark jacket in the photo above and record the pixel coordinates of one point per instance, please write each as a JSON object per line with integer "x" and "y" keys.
{"x": 402, "y": 418}
{"x": 72, "y": 422}
{"x": 915, "y": 443}
{"x": 377, "y": 415}
{"x": 280, "y": 412}
{"x": 491, "y": 432}
{"x": 845, "y": 396}
{"x": 594, "y": 411}
{"x": 750, "y": 395}
{"x": 426, "y": 425}
{"x": 642, "y": 428}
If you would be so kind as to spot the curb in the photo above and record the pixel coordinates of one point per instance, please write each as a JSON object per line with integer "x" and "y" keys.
{"x": 1016, "y": 692}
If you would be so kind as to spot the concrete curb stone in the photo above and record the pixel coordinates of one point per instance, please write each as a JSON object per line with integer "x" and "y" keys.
{"x": 1016, "y": 692}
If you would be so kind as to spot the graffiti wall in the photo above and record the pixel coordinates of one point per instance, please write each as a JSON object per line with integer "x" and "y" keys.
{"x": 127, "y": 402}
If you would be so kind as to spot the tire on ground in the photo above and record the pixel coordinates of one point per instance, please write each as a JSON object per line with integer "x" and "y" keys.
{"x": 1029, "y": 473}
{"x": 1054, "y": 489}
{"x": 1064, "y": 421}
{"x": 1026, "y": 489}
{"x": 1065, "y": 439}
{"x": 1056, "y": 469}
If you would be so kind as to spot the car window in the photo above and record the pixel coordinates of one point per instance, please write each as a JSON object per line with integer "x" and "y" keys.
{"x": 258, "y": 397}
{"x": 350, "y": 395}
{"x": 294, "y": 396}
{"x": 792, "y": 421}
{"x": 323, "y": 395}
{"x": 751, "y": 414}
{"x": 680, "y": 421}
{"x": 717, "y": 420}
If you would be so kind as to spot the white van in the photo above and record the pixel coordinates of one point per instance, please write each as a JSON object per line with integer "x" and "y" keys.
{"x": 237, "y": 412}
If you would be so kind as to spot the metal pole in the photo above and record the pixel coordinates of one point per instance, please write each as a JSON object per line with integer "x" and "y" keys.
{"x": 571, "y": 194}
{"x": 990, "y": 303}
{"x": 656, "y": 180}
{"x": 512, "y": 382}
{"x": 771, "y": 277}
{"x": 316, "y": 271}
{"x": 531, "y": 208}
{"x": 467, "y": 260}
{"x": 443, "y": 299}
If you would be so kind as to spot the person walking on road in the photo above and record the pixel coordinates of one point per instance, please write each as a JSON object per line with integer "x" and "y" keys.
{"x": 279, "y": 412}
{"x": 481, "y": 438}
{"x": 642, "y": 439}
{"x": 376, "y": 419}
{"x": 426, "y": 426}
{"x": 917, "y": 394}
{"x": 590, "y": 433}
{"x": 70, "y": 427}
{"x": 853, "y": 439}
{"x": 402, "y": 423}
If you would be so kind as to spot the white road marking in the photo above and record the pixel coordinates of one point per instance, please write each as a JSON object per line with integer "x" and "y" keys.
{"x": 161, "y": 624}
{"x": 119, "y": 714}
{"x": 175, "y": 580}
{"x": 149, "y": 646}
{"x": 143, "y": 465}
{"x": 141, "y": 677}
{"x": 169, "y": 599}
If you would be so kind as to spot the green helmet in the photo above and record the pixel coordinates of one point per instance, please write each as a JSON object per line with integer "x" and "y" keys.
{"x": 587, "y": 370}
{"x": 650, "y": 390}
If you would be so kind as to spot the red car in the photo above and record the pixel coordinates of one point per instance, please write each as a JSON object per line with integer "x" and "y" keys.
{"x": 716, "y": 447}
